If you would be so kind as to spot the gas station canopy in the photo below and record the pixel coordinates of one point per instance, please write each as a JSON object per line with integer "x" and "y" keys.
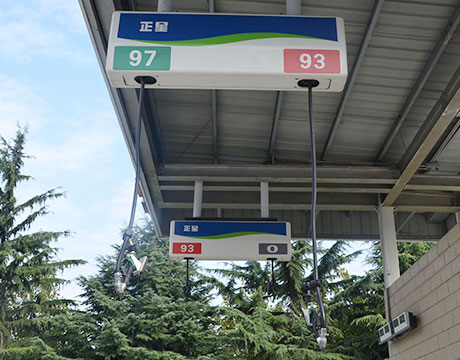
{"x": 389, "y": 138}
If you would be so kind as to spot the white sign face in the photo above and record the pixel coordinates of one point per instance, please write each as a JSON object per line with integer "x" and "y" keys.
{"x": 224, "y": 51}
{"x": 230, "y": 240}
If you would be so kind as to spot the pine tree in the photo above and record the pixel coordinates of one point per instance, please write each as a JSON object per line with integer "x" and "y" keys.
{"x": 29, "y": 280}
{"x": 264, "y": 325}
{"x": 152, "y": 319}
{"x": 358, "y": 305}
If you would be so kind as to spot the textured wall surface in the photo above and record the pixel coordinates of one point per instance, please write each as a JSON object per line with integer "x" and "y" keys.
{"x": 430, "y": 289}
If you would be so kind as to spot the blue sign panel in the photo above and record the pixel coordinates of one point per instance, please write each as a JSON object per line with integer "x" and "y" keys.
{"x": 212, "y": 29}
{"x": 230, "y": 240}
{"x": 225, "y": 229}
{"x": 226, "y": 51}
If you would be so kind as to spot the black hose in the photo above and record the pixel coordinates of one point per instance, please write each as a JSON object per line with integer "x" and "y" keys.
{"x": 313, "y": 206}
{"x": 129, "y": 230}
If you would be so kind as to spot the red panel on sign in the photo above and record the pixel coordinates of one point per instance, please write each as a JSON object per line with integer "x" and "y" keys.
{"x": 311, "y": 61}
{"x": 186, "y": 248}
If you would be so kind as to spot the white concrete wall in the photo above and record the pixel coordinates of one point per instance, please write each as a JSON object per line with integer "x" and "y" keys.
{"x": 430, "y": 289}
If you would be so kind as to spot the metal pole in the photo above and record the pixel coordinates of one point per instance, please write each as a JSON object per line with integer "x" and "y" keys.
{"x": 293, "y": 7}
{"x": 197, "y": 199}
{"x": 389, "y": 251}
{"x": 214, "y": 108}
{"x": 264, "y": 207}
{"x": 214, "y": 126}
{"x": 276, "y": 119}
{"x": 165, "y": 5}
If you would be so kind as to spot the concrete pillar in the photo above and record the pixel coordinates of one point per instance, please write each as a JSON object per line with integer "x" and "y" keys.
{"x": 197, "y": 198}
{"x": 389, "y": 250}
{"x": 389, "y": 246}
{"x": 264, "y": 202}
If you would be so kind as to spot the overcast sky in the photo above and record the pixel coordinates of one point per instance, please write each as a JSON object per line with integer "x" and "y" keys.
{"x": 51, "y": 83}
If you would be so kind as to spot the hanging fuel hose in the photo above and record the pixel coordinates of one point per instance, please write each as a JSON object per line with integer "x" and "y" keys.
{"x": 314, "y": 315}
{"x": 130, "y": 265}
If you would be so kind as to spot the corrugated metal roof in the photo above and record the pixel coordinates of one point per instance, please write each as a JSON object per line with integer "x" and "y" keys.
{"x": 403, "y": 39}
{"x": 405, "y": 36}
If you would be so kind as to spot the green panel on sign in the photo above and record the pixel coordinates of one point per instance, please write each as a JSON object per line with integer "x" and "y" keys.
{"x": 142, "y": 58}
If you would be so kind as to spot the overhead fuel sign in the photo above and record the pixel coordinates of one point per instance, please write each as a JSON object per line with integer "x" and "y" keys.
{"x": 223, "y": 51}
{"x": 230, "y": 240}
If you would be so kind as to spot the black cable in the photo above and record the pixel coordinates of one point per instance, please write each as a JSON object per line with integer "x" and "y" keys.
{"x": 129, "y": 230}
{"x": 313, "y": 206}
{"x": 187, "y": 287}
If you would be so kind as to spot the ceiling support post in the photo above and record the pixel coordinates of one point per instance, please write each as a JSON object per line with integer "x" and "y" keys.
{"x": 215, "y": 148}
{"x": 197, "y": 198}
{"x": 293, "y": 7}
{"x": 389, "y": 251}
{"x": 264, "y": 200}
{"x": 165, "y": 5}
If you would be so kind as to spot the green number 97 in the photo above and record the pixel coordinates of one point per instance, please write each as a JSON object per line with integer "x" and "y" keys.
{"x": 136, "y": 57}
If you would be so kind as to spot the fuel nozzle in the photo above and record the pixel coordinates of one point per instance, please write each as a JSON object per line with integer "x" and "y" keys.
{"x": 135, "y": 268}
{"x": 322, "y": 339}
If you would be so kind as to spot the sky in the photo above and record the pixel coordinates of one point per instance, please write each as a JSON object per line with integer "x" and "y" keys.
{"x": 52, "y": 84}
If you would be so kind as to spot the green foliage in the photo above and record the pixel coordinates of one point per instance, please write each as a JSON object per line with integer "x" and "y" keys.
{"x": 410, "y": 252}
{"x": 152, "y": 320}
{"x": 28, "y": 270}
{"x": 29, "y": 349}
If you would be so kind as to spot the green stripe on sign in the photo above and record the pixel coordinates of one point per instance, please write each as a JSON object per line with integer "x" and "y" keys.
{"x": 225, "y": 39}
{"x": 230, "y": 235}
{"x": 142, "y": 58}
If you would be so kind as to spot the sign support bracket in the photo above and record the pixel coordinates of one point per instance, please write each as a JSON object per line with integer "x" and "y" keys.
{"x": 197, "y": 198}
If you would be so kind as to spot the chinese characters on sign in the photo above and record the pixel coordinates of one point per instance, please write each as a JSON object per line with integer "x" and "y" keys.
{"x": 147, "y": 26}
{"x": 190, "y": 228}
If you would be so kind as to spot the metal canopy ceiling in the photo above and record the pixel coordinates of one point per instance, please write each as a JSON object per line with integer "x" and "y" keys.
{"x": 390, "y": 137}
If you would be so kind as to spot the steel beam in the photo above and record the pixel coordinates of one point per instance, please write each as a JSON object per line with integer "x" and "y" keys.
{"x": 385, "y": 175}
{"x": 300, "y": 189}
{"x": 437, "y": 122}
{"x": 325, "y": 207}
{"x": 278, "y": 179}
{"x": 406, "y": 220}
{"x": 378, "y": 4}
{"x": 275, "y": 124}
{"x": 420, "y": 83}
{"x": 295, "y": 189}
